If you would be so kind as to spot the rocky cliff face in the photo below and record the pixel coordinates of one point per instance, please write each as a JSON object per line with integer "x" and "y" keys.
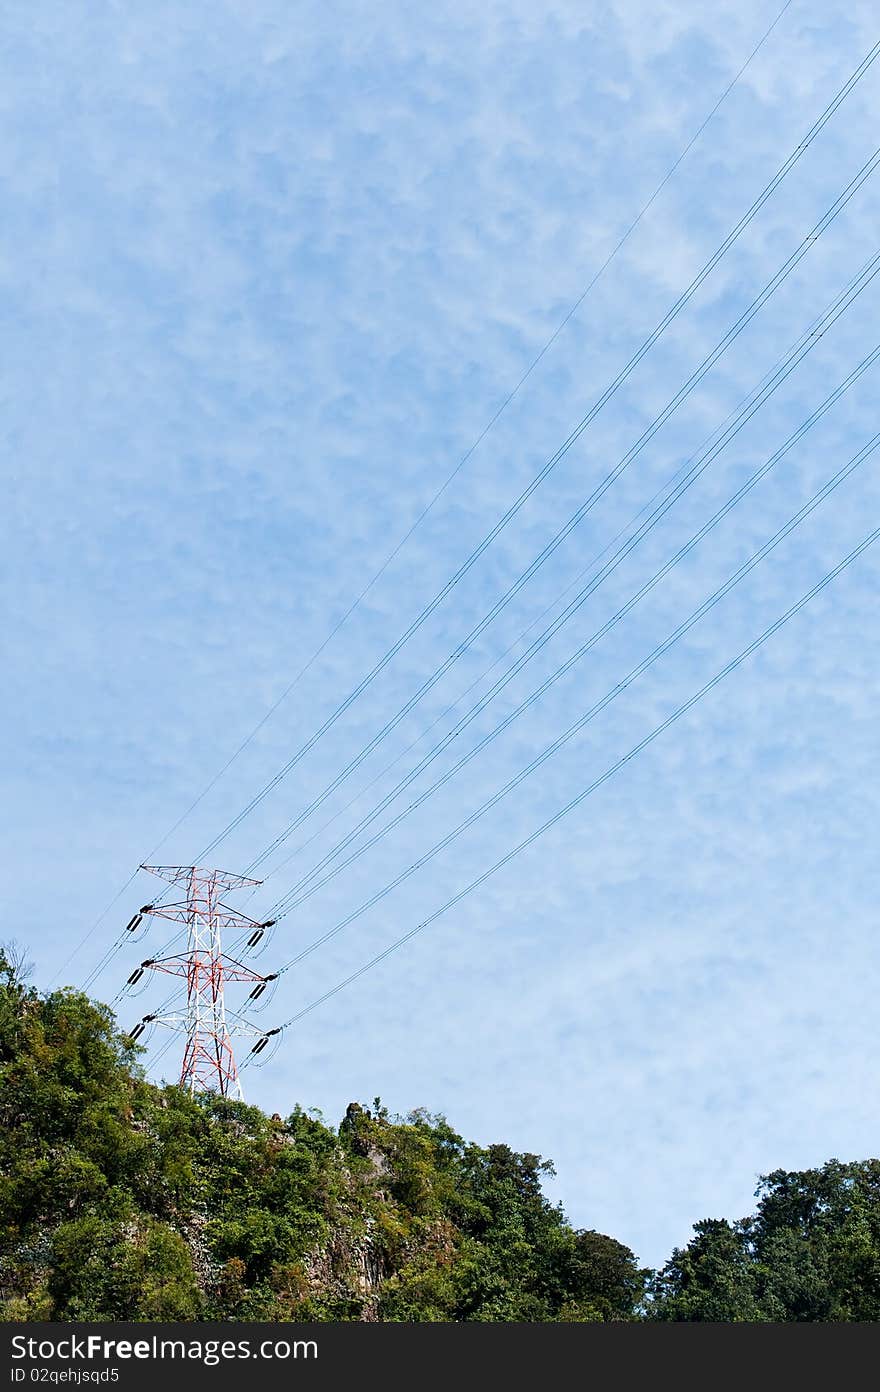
{"x": 352, "y": 1267}
{"x": 357, "y": 1262}
{"x": 348, "y": 1271}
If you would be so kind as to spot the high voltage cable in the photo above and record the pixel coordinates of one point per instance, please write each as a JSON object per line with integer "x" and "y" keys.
{"x": 577, "y": 517}
{"x": 658, "y": 651}
{"x": 784, "y": 169}
{"x": 527, "y": 492}
{"x": 831, "y": 213}
{"x": 575, "y": 802}
{"x": 785, "y": 270}
{"x": 682, "y": 478}
{"x": 454, "y": 705}
{"x": 715, "y": 598}
{"x": 310, "y": 883}
{"x": 356, "y": 603}
{"x": 699, "y": 464}
{"x": 567, "y": 735}
{"x": 488, "y": 426}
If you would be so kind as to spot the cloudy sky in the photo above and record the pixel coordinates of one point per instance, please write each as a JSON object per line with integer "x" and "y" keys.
{"x": 267, "y": 271}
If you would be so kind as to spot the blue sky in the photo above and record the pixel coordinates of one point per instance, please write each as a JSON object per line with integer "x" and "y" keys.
{"x": 265, "y": 273}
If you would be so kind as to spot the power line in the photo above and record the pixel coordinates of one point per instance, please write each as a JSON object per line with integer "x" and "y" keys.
{"x": 592, "y": 787}
{"x": 753, "y": 309}
{"x": 574, "y": 729}
{"x": 310, "y": 883}
{"x": 774, "y": 283}
{"x": 577, "y": 517}
{"x": 665, "y": 489}
{"x": 539, "y": 478}
{"x": 391, "y": 557}
{"x": 669, "y": 494}
{"x": 698, "y": 465}
{"x": 489, "y": 424}
{"x": 657, "y": 652}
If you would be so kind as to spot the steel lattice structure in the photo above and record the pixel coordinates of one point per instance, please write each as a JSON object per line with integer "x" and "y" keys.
{"x": 208, "y": 1063}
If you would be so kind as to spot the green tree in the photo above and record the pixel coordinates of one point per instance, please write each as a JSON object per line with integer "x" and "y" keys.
{"x": 810, "y": 1252}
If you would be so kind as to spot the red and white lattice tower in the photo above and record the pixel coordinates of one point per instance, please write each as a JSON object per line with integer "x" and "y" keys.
{"x": 208, "y": 1060}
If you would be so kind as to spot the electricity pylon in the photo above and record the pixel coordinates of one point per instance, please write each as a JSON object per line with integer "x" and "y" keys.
{"x": 208, "y": 1060}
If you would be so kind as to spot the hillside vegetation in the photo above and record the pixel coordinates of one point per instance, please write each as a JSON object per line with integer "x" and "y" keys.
{"x": 123, "y": 1200}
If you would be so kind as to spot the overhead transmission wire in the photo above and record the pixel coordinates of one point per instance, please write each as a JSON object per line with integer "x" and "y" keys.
{"x": 582, "y": 511}
{"x": 551, "y": 463}
{"x": 681, "y": 479}
{"x": 568, "y": 735}
{"x": 547, "y": 609}
{"x": 813, "y": 330}
{"x": 304, "y": 890}
{"x": 683, "y": 299}
{"x": 315, "y": 880}
{"x": 757, "y": 303}
{"x": 578, "y": 725}
{"x": 527, "y": 493}
{"x": 784, "y": 271}
{"x": 431, "y": 504}
{"x": 657, "y": 652}
{"x": 575, "y": 802}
